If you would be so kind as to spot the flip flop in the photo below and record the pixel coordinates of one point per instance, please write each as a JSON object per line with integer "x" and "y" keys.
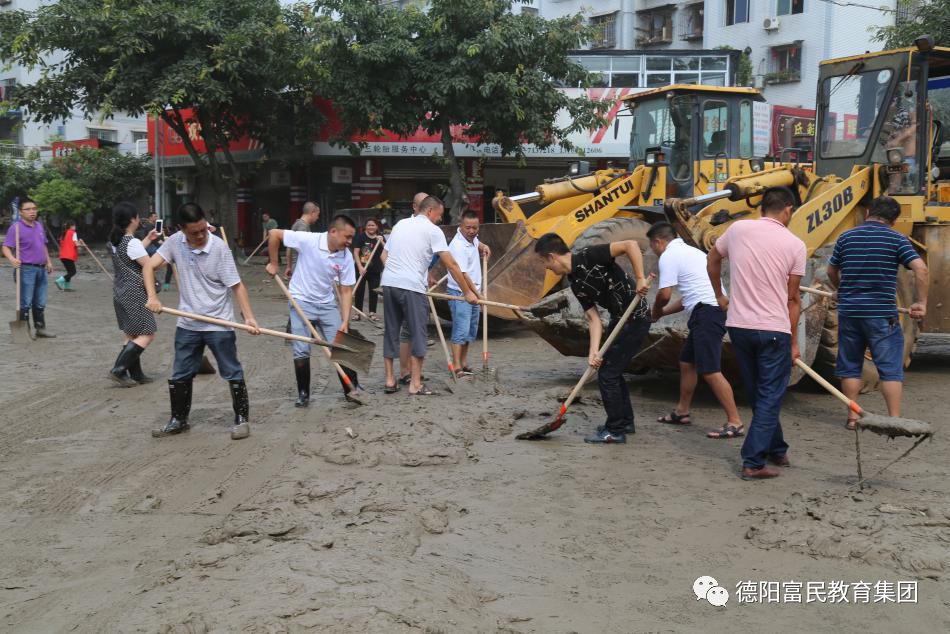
{"x": 731, "y": 431}
{"x": 406, "y": 380}
{"x": 373, "y": 317}
{"x": 463, "y": 373}
{"x": 391, "y": 389}
{"x": 674, "y": 419}
{"x": 423, "y": 391}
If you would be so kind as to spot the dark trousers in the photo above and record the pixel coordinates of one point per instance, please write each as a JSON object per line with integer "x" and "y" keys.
{"x": 613, "y": 389}
{"x": 169, "y": 271}
{"x": 765, "y": 361}
{"x": 70, "y": 266}
{"x": 370, "y": 283}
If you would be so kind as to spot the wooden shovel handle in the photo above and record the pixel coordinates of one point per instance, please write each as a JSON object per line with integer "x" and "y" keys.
{"x": 379, "y": 241}
{"x": 245, "y": 327}
{"x": 854, "y": 407}
{"x": 483, "y": 302}
{"x": 97, "y": 261}
{"x": 821, "y": 293}
{"x": 254, "y": 252}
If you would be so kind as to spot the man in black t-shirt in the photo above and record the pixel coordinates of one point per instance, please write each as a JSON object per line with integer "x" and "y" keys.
{"x": 597, "y": 280}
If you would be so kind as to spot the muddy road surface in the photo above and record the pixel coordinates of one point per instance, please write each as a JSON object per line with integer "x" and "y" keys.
{"x": 430, "y": 517}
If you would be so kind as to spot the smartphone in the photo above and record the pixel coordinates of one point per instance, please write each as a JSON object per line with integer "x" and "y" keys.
{"x": 159, "y": 226}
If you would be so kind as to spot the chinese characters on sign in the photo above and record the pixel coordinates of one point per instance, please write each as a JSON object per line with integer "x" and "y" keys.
{"x": 826, "y": 592}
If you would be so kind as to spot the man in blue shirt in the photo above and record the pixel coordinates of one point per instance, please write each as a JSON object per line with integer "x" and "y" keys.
{"x": 864, "y": 267}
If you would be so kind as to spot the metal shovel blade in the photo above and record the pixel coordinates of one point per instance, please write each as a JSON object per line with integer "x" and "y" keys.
{"x": 540, "y": 432}
{"x": 361, "y": 356}
{"x": 893, "y": 426}
{"x": 20, "y": 331}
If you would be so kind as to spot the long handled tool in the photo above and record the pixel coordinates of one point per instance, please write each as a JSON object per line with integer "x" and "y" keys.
{"x": 98, "y": 261}
{"x": 264, "y": 331}
{"x": 368, "y": 262}
{"x": 351, "y": 394}
{"x": 547, "y": 428}
{"x": 256, "y": 249}
{"x": 483, "y": 302}
{"x": 19, "y": 329}
{"x": 445, "y": 347}
{"x": 890, "y": 426}
{"x": 485, "y": 314}
{"x": 821, "y": 293}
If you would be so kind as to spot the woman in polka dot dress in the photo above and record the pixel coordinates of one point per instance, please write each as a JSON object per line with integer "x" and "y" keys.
{"x": 134, "y": 284}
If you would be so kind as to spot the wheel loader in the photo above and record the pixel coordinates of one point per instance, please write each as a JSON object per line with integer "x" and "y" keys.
{"x": 880, "y": 131}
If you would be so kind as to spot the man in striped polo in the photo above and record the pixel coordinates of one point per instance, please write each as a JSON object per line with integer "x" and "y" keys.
{"x": 864, "y": 267}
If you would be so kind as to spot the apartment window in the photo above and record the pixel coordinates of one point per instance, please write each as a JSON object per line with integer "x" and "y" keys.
{"x": 605, "y": 31}
{"x": 785, "y": 64}
{"x": 737, "y": 11}
{"x": 103, "y": 134}
{"x": 790, "y": 7}
{"x": 691, "y": 25}
{"x": 655, "y": 27}
{"x": 139, "y": 135}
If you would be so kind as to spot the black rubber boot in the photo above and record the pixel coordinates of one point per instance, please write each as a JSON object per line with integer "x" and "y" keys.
{"x": 129, "y": 355}
{"x": 239, "y": 401}
{"x": 179, "y": 393}
{"x": 302, "y": 371}
{"x": 136, "y": 373}
{"x": 39, "y": 321}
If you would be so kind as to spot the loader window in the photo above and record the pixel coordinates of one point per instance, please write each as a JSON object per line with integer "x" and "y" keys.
{"x": 745, "y": 129}
{"x": 662, "y": 122}
{"x": 850, "y": 105}
{"x": 715, "y": 128}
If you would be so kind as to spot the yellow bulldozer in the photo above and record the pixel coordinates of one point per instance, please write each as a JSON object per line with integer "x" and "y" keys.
{"x": 879, "y": 131}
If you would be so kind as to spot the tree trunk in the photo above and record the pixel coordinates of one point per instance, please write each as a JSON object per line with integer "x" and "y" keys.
{"x": 456, "y": 202}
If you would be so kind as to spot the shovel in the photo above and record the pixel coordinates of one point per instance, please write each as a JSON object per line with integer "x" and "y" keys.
{"x": 359, "y": 357}
{"x": 98, "y": 261}
{"x": 545, "y": 429}
{"x": 485, "y": 315}
{"x": 246, "y": 328}
{"x": 351, "y": 394}
{"x": 256, "y": 249}
{"x": 19, "y": 329}
{"x": 891, "y": 426}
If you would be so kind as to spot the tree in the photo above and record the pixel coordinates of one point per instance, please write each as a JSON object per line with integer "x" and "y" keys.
{"x": 213, "y": 70}
{"x": 109, "y": 175}
{"x": 16, "y": 178}
{"x": 62, "y": 197}
{"x": 916, "y": 18}
{"x": 471, "y": 67}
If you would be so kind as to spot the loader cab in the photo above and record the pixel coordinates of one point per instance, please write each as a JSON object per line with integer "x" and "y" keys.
{"x": 890, "y": 109}
{"x": 691, "y": 138}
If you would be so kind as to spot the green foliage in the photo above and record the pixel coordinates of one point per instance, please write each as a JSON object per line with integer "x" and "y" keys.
{"x": 16, "y": 178}
{"x": 62, "y": 197}
{"x": 235, "y": 63}
{"x": 472, "y": 64}
{"x": 110, "y": 175}
{"x": 925, "y": 17}
{"x": 744, "y": 72}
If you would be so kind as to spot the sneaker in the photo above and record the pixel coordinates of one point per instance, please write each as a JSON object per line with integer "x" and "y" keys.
{"x": 240, "y": 431}
{"x": 603, "y": 436}
{"x": 60, "y": 283}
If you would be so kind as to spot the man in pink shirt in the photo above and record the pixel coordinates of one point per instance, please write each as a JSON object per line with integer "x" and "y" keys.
{"x": 766, "y": 265}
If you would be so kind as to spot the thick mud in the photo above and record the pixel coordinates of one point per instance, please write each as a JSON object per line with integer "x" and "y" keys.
{"x": 424, "y": 514}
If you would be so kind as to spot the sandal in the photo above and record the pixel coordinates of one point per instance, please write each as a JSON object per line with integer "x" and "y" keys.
{"x": 373, "y": 317}
{"x": 406, "y": 380}
{"x": 462, "y": 373}
{"x": 355, "y": 318}
{"x": 675, "y": 419}
{"x": 466, "y": 368}
{"x": 423, "y": 391}
{"x": 391, "y": 389}
{"x": 728, "y": 432}
{"x": 852, "y": 424}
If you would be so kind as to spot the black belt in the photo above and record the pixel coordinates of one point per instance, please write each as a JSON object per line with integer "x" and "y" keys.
{"x": 28, "y": 264}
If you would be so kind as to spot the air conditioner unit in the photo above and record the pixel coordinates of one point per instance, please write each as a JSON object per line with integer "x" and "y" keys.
{"x": 184, "y": 186}
{"x": 758, "y": 82}
{"x": 770, "y": 24}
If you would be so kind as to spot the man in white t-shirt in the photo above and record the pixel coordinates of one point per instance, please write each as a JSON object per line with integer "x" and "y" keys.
{"x": 684, "y": 267}
{"x": 323, "y": 259}
{"x": 465, "y": 317}
{"x": 407, "y": 255}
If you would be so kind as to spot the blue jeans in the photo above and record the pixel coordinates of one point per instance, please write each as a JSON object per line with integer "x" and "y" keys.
{"x": 765, "y": 361}
{"x": 465, "y": 318}
{"x": 325, "y": 318}
{"x": 33, "y": 282}
{"x": 882, "y": 335}
{"x": 190, "y": 346}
